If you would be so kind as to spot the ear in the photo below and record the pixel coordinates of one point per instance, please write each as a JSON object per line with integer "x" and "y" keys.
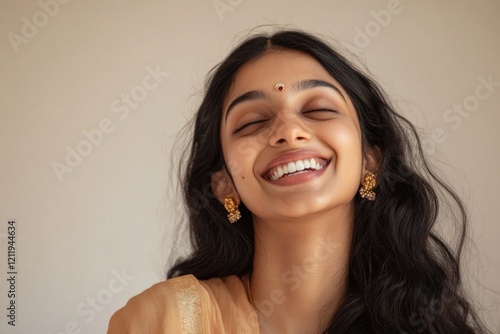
{"x": 372, "y": 159}
{"x": 222, "y": 186}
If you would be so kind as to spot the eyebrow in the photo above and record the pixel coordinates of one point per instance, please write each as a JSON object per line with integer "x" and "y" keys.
{"x": 248, "y": 96}
{"x": 313, "y": 83}
{"x": 298, "y": 87}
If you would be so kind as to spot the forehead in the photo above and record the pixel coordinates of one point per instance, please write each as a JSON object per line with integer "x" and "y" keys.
{"x": 287, "y": 66}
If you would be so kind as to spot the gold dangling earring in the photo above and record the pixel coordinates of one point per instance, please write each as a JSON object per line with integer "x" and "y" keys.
{"x": 231, "y": 207}
{"x": 367, "y": 186}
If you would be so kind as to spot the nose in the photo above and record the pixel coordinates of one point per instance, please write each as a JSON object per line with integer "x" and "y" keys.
{"x": 289, "y": 129}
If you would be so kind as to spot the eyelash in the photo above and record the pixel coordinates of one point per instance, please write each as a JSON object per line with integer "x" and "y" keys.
{"x": 319, "y": 109}
{"x": 264, "y": 120}
{"x": 248, "y": 124}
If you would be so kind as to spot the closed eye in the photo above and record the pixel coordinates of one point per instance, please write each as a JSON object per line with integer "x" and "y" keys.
{"x": 249, "y": 124}
{"x": 320, "y": 113}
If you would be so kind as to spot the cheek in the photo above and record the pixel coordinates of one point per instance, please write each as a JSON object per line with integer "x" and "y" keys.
{"x": 239, "y": 160}
{"x": 348, "y": 139}
{"x": 234, "y": 167}
{"x": 348, "y": 151}
{"x": 351, "y": 147}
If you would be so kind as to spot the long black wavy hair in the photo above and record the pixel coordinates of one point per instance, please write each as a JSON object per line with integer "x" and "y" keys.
{"x": 403, "y": 278}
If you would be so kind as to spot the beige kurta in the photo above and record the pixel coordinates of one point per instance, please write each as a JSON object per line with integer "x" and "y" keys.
{"x": 189, "y": 306}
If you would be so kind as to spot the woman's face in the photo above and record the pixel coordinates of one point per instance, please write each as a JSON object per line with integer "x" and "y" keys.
{"x": 293, "y": 152}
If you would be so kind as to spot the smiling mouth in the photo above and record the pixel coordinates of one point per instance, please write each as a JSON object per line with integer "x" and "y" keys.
{"x": 296, "y": 167}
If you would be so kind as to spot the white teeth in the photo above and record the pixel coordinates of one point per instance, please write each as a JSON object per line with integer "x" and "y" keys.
{"x": 298, "y": 166}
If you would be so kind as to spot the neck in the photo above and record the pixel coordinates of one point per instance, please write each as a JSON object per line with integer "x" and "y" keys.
{"x": 300, "y": 272}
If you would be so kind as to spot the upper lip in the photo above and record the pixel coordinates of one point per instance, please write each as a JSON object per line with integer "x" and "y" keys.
{"x": 292, "y": 156}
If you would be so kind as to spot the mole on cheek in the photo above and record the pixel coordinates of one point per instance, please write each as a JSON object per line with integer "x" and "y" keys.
{"x": 243, "y": 177}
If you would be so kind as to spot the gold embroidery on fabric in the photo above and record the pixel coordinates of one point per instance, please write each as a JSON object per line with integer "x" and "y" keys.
{"x": 189, "y": 305}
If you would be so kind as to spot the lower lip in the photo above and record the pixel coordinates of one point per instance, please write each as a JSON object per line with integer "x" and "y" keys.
{"x": 299, "y": 178}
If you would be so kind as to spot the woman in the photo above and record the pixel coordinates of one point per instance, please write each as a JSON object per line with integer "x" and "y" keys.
{"x": 330, "y": 208}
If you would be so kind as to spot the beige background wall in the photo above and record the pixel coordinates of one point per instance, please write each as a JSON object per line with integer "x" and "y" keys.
{"x": 101, "y": 228}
